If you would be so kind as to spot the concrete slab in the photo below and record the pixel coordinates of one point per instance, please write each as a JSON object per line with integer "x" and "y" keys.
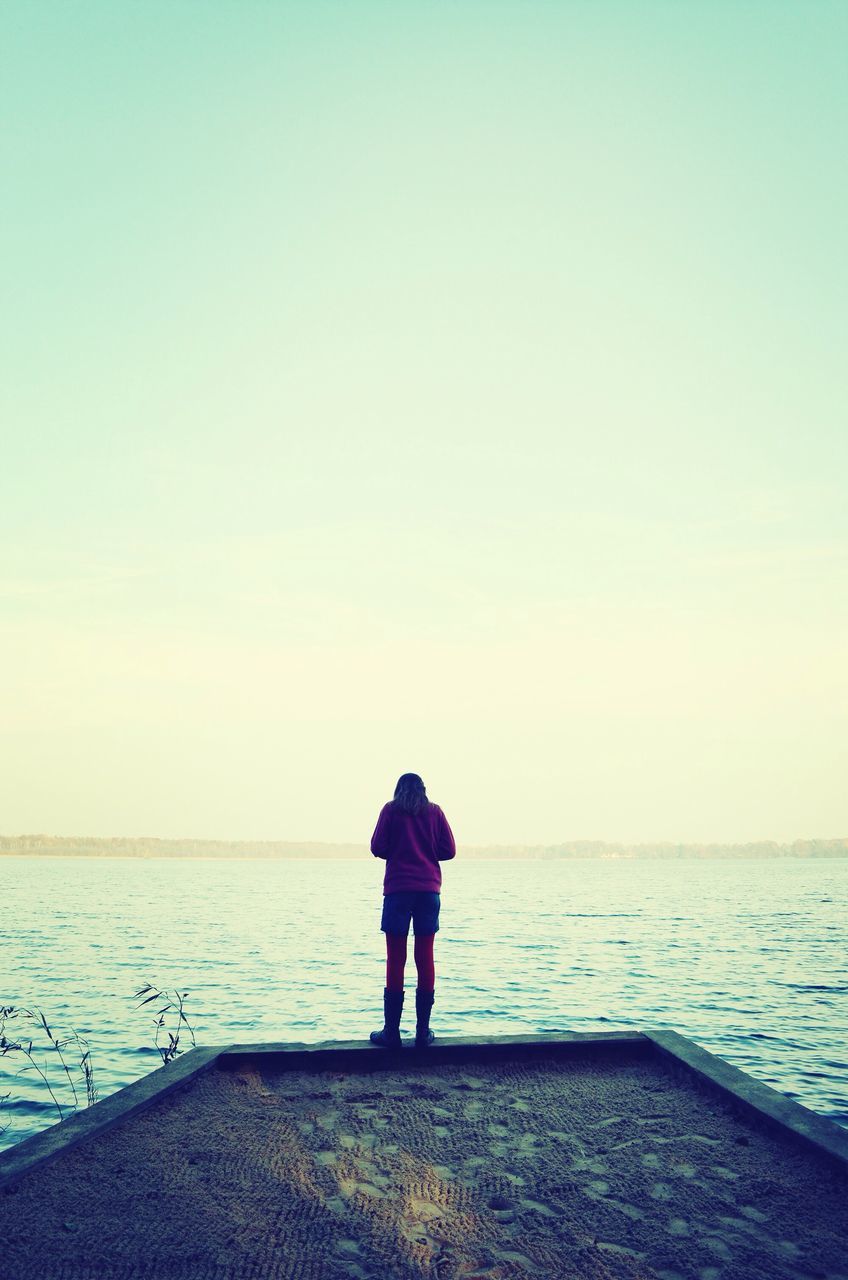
{"x": 622, "y": 1155}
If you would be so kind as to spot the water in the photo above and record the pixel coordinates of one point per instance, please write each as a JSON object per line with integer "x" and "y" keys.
{"x": 748, "y": 958}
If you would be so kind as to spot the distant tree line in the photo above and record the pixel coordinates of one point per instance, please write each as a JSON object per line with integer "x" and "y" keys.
{"x": 154, "y": 847}
{"x": 837, "y": 848}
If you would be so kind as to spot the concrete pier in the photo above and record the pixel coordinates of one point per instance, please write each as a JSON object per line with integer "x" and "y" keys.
{"x": 597, "y": 1155}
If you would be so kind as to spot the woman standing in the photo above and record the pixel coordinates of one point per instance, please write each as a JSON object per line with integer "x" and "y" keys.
{"x": 413, "y": 836}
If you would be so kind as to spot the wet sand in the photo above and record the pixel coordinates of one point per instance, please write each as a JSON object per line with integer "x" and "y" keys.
{"x": 485, "y": 1172}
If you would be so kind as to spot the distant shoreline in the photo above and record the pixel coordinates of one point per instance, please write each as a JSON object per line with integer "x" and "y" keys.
{"x": 39, "y": 845}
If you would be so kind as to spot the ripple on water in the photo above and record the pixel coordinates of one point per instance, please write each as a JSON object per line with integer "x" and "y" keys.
{"x": 524, "y": 948}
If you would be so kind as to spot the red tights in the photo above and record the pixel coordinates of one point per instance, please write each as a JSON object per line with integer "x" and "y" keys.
{"x": 396, "y": 962}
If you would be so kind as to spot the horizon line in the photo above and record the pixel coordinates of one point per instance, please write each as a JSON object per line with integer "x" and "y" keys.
{"x": 594, "y": 842}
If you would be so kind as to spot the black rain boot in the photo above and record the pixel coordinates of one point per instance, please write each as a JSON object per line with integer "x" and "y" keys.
{"x": 389, "y": 1037}
{"x": 423, "y": 1005}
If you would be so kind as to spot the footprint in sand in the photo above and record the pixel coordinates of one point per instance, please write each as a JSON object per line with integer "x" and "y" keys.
{"x": 520, "y": 1259}
{"x": 366, "y": 1114}
{"x": 721, "y": 1172}
{"x": 594, "y": 1192}
{"x": 718, "y": 1247}
{"x": 368, "y": 1189}
{"x": 426, "y": 1092}
{"x": 475, "y": 1162}
{"x": 604, "y": 1124}
{"x": 352, "y": 1270}
{"x": 738, "y": 1224}
{"x": 415, "y": 1234}
{"x": 559, "y": 1135}
{"x": 363, "y": 1180}
{"x": 527, "y": 1149}
{"x": 350, "y": 1248}
{"x": 678, "y": 1227}
{"x": 608, "y": 1246}
{"x": 423, "y": 1210}
{"x": 464, "y": 1083}
{"x": 502, "y": 1208}
{"x": 536, "y": 1206}
{"x": 629, "y": 1210}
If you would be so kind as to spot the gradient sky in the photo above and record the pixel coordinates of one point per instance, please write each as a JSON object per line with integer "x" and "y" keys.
{"x": 457, "y": 388}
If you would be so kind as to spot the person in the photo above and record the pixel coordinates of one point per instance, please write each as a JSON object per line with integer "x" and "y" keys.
{"x": 413, "y": 837}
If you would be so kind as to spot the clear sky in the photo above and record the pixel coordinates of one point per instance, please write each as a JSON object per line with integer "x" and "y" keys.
{"x": 456, "y": 388}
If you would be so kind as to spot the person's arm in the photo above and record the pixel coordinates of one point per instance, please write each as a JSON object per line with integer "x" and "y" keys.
{"x": 445, "y": 843}
{"x": 380, "y": 838}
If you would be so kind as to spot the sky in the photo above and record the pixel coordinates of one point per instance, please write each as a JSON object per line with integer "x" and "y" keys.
{"x": 447, "y": 388}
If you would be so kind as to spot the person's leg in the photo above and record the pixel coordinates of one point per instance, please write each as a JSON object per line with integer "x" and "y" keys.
{"x": 424, "y": 961}
{"x": 396, "y": 961}
{"x": 389, "y": 1037}
{"x": 395, "y": 925}
{"x": 426, "y": 920}
{"x": 425, "y": 992}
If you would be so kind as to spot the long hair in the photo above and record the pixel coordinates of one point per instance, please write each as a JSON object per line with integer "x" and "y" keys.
{"x": 411, "y": 794}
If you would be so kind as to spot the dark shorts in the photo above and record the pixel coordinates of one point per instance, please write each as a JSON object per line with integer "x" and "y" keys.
{"x": 419, "y": 907}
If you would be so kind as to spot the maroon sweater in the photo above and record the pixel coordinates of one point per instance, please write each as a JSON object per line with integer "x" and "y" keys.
{"x": 413, "y": 845}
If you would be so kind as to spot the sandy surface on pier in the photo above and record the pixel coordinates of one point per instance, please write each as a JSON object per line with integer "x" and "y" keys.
{"x": 543, "y": 1168}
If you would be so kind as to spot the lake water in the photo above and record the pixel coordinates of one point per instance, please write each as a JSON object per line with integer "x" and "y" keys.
{"x": 747, "y": 958}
